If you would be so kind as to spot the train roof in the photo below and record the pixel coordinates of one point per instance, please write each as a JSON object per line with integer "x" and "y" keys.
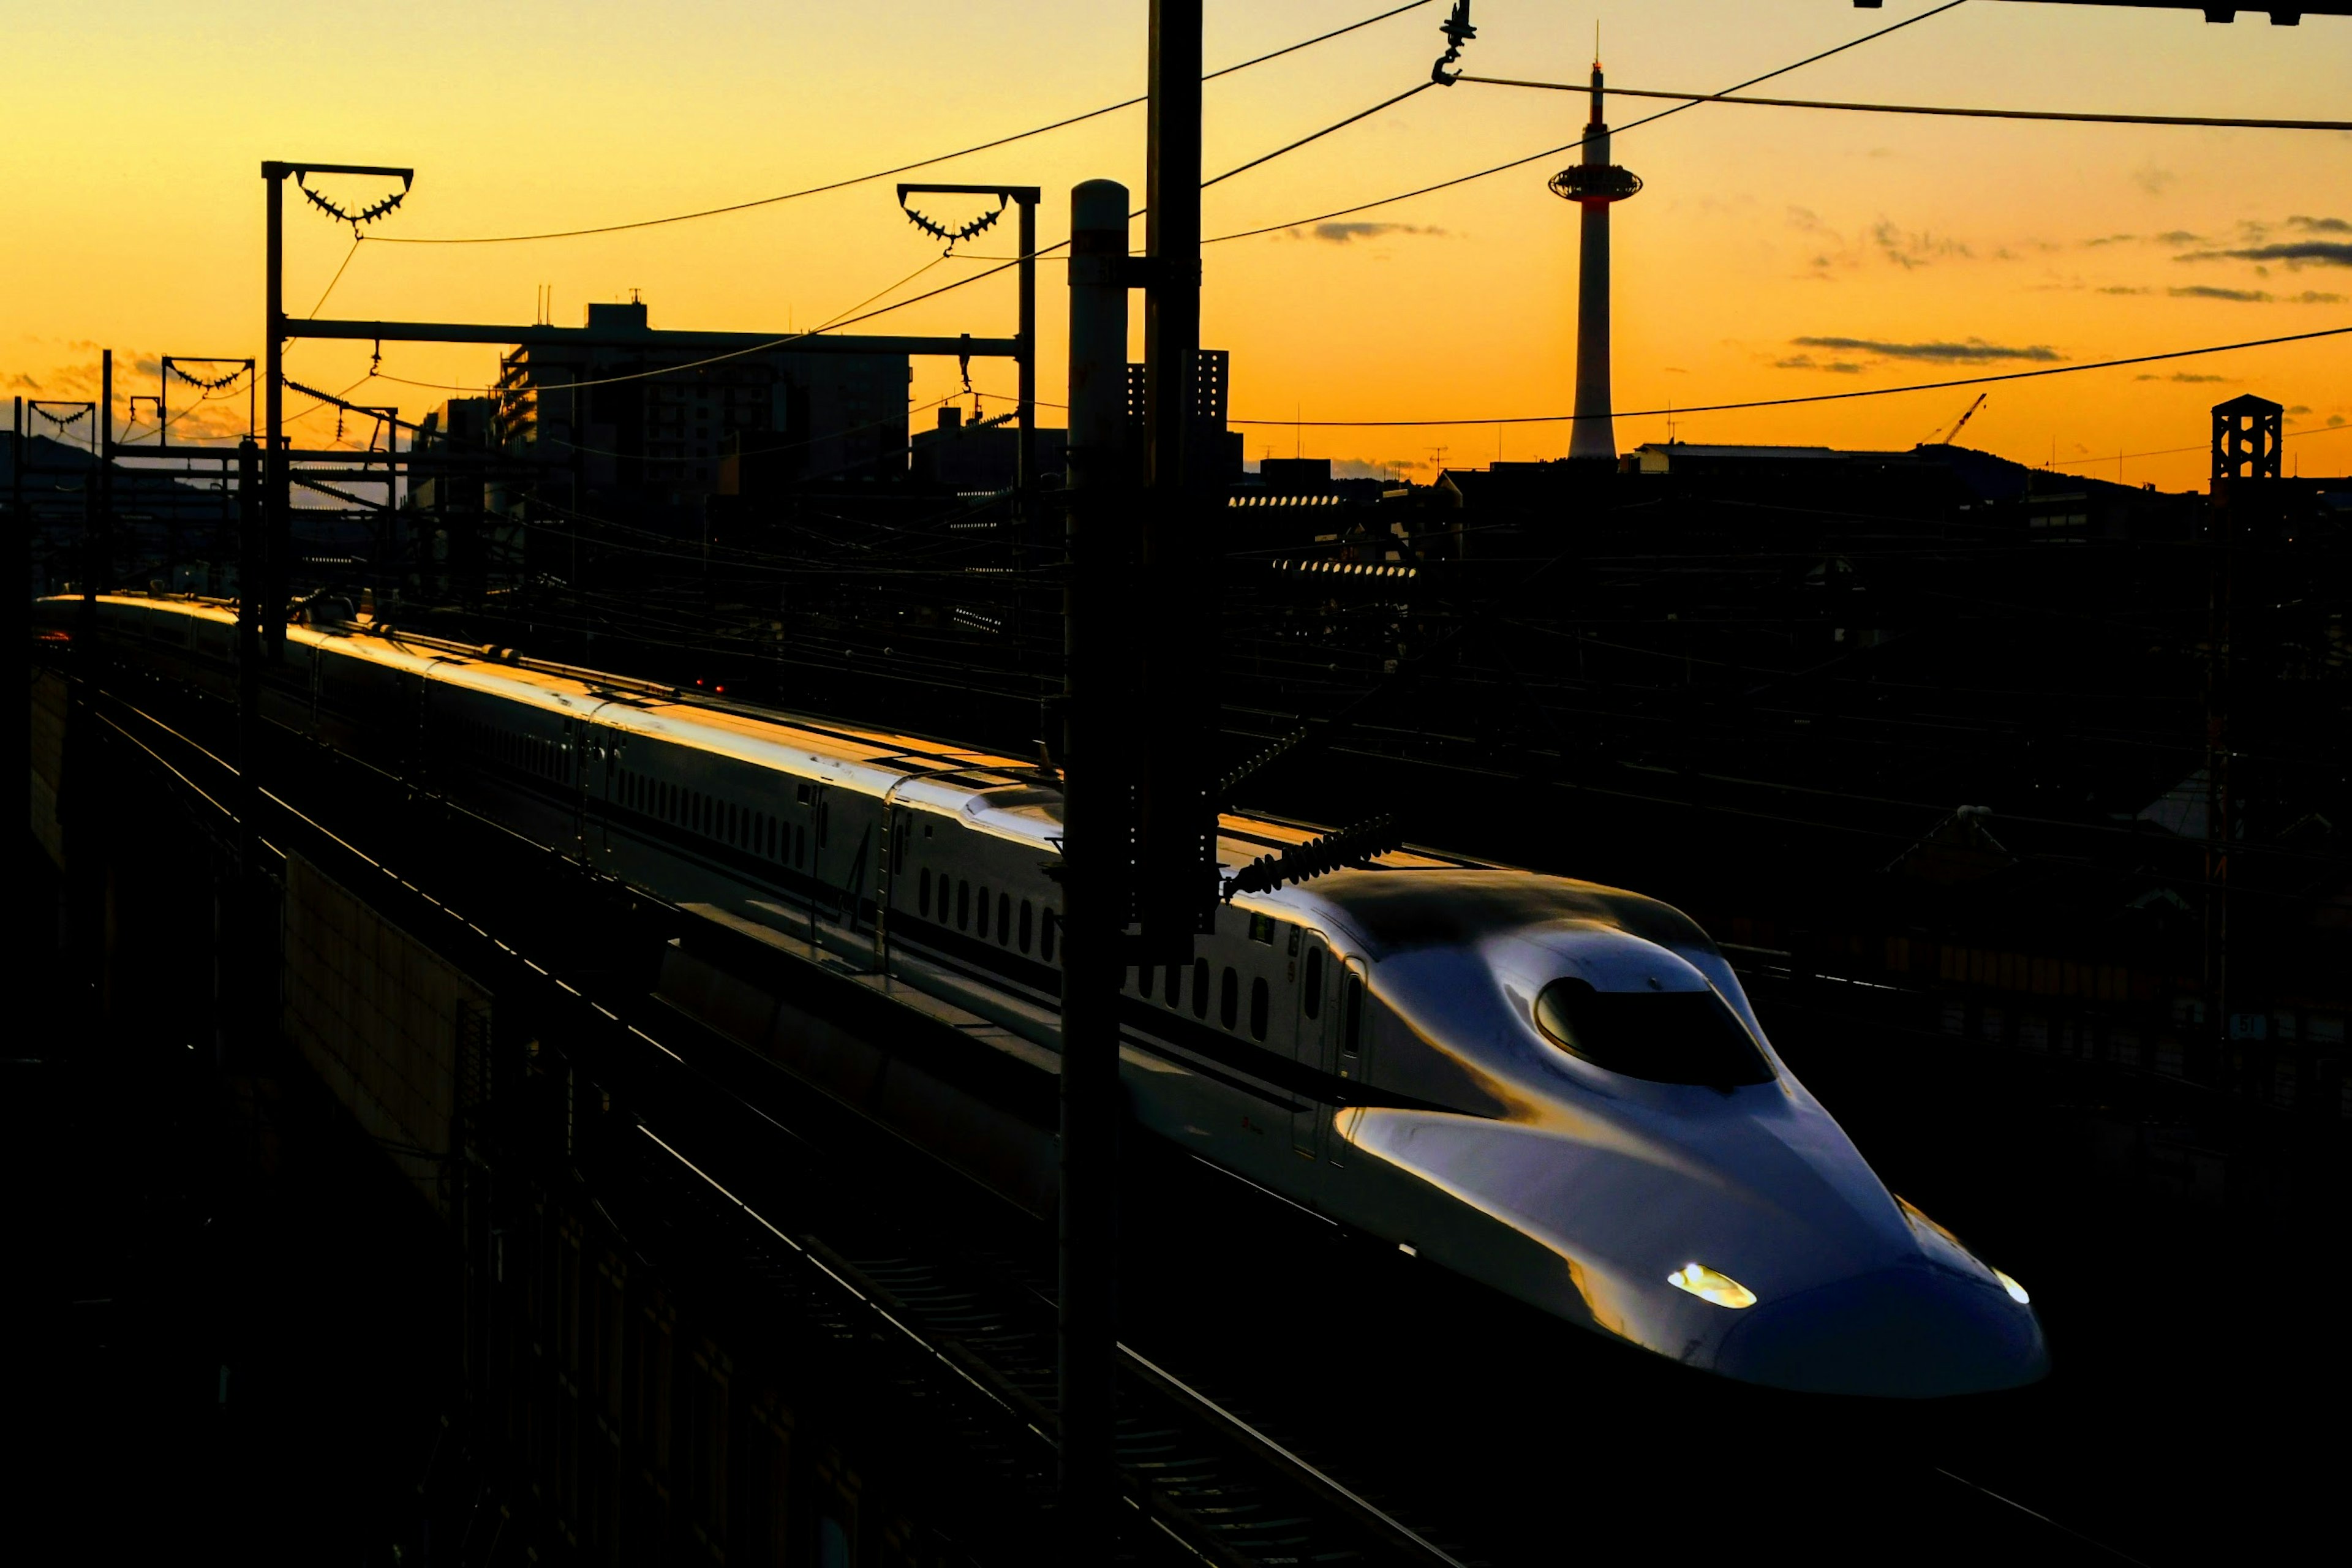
{"x": 1451, "y": 899}
{"x": 992, "y": 791}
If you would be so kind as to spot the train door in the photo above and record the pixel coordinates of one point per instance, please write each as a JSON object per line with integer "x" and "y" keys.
{"x": 1317, "y": 1040}
{"x": 572, "y": 769}
{"x": 1351, "y": 1036}
{"x": 820, "y": 831}
{"x": 607, "y": 754}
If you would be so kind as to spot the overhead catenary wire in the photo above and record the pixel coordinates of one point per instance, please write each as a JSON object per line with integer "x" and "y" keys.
{"x": 901, "y": 168}
{"x": 1060, "y": 245}
{"x": 1578, "y": 142}
{"x": 846, "y": 319}
{"x": 2205, "y": 119}
{"x": 1681, "y": 408}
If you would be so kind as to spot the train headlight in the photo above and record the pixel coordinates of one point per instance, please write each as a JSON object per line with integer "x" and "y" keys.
{"x": 1708, "y": 1285}
{"x": 2016, "y": 1291}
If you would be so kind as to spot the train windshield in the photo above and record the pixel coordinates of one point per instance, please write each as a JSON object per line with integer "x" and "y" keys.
{"x": 1664, "y": 1037}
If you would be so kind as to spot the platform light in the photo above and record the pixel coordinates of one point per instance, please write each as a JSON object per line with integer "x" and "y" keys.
{"x": 2016, "y": 1291}
{"x": 1708, "y": 1285}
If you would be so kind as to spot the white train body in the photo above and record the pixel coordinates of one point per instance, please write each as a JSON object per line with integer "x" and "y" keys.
{"x": 1375, "y": 1045}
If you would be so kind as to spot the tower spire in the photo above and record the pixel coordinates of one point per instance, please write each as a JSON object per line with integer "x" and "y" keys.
{"x": 1593, "y": 184}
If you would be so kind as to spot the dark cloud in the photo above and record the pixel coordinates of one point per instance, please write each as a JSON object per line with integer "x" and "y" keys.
{"x": 1908, "y": 250}
{"x": 1807, "y": 361}
{"x": 2242, "y": 296}
{"x": 2177, "y": 237}
{"x": 1345, "y": 232}
{"x": 2320, "y": 225}
{"x": 1975, "y": 351}
{"x": 2112, "y": 239}
{"x": 2294, "y": 252}
{"x": 2254, "y": 296}
{"x": 2123, "y": 289}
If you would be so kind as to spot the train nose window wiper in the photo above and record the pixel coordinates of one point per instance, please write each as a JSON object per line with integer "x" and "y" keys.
{"x": 1664, "y": 1037}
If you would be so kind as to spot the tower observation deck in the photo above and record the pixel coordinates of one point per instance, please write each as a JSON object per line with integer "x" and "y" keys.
{"x": 1593, "y": 184}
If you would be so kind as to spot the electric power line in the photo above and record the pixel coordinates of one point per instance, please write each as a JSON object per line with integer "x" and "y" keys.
{"x": 902, "y": 168}
{"x": 977, "y": 277}
{"x": 1927, "y": 109}
{"x": 1809, "y": 397}
{"x": 1571, "y": 146}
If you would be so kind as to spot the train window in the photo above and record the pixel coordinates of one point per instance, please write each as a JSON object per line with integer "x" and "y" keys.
{"x": 800, "y": 834}
{"x": 1311, "y": 1000}
{"x": 801, "y": 794}
{"x": 1003, "y": 919}
{"x": 1143, "y": 980}
{"x": 1351, "y": 1015}
{"x": 1025, "y": 917}
{"x": 729, "y": 827}
{"x": 767, "y": 836}
{"x": 1045, "y": 935}
{"x": 1259, "y": 1004}
{"x": 1201, "y": 988}
{"x": 1229, "y": 998}
{"x": 1666, "y": 1036}
{"x": 1261, "y": 929}
{"x": 923, "y": 893}
{"x": 824, "y": 822}
{"x": 1175, "y": 982}
{"x": 980, "y": 926}
{"x": 963, "y": 903}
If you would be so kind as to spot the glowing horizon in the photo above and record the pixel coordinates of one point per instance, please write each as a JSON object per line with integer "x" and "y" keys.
{"x": 1773, "y": 253}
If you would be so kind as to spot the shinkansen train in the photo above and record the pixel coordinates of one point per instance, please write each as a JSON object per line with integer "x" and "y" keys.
{"x": 1554, "y": 1087}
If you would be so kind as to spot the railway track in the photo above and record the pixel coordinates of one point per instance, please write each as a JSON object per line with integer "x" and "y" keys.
{"x": 962, "y": 1333}
{"x": 972, "y": 1336}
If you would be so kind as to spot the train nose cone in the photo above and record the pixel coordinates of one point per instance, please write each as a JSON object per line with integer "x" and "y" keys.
{"x": 1915, "y": 1332}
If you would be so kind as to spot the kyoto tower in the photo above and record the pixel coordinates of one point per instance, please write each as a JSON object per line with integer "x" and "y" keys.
{"x": 1593, "y": 184}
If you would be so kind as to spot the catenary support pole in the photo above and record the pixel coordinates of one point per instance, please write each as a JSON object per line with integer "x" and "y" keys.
{"x": 269, "y": 585}
{"x": 1025, "y": 450}
{"x": 247, "y": 896}
{"x": 103, "y": 477}
{"x": 1095, "y": 807}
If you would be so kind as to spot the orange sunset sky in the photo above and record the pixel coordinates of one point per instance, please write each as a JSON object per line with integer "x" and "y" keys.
{"x": 1775, "y": 252}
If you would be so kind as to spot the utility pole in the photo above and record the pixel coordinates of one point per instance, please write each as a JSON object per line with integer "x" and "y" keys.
{"x": 1098, "y": 778}
{"x": 1175, "y": 819}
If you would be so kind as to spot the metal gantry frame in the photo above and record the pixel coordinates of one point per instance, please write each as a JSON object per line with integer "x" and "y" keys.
{"x": 279, "y": 329}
